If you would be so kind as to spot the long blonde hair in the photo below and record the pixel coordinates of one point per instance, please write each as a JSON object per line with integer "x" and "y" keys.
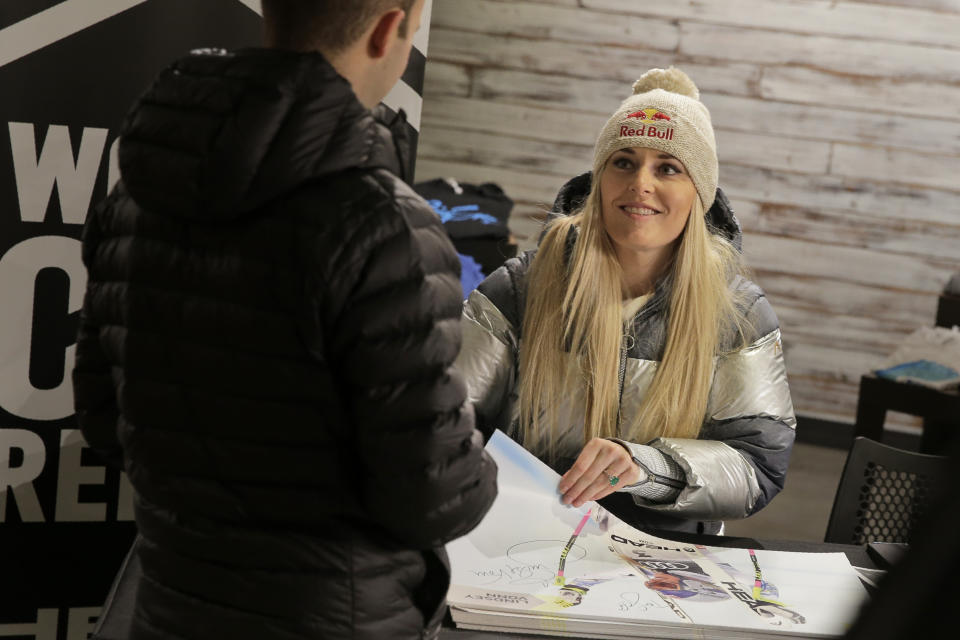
{"x": 573, "y": 310}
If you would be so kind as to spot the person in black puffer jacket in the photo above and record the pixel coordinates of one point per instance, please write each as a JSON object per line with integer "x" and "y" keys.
{"x": 266, "y": 345}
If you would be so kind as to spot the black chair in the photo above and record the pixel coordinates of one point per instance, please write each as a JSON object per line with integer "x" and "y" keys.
{"x": 948, "y": 310}
{"x": 916, "y": 595}
{"x": 883, "y": 492}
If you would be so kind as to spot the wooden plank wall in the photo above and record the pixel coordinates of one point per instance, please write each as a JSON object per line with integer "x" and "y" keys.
{"x": 838, "y": 127}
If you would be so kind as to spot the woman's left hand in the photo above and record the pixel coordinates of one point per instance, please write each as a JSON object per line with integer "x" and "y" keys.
{"x": 592, "y": 475}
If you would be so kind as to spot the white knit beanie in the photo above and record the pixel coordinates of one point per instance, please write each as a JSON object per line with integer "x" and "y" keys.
{"x": 665, "y": 113}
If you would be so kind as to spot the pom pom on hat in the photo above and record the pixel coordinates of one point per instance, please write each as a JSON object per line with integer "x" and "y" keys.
{"x": 672, "y": 80}
{"x": 665, "y": 113}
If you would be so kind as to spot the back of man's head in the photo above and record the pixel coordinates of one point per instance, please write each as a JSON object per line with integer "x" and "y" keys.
{"x": 328, "y": 26}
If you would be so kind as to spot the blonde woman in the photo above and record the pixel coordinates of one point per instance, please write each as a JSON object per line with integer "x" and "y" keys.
{"x": 630, "y": 351}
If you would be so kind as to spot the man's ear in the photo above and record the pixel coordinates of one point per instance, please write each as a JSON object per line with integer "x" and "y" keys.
{"x": 384, "y": 32}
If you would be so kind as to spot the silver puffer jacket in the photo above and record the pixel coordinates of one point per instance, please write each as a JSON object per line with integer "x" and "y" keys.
{"x": 739, "y": 461}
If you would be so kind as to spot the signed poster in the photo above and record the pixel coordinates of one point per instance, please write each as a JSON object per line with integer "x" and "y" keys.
{"x": 535, "y": 564}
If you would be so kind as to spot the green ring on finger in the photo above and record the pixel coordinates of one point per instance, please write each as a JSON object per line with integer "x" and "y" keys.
{"x": 613, "y": 479}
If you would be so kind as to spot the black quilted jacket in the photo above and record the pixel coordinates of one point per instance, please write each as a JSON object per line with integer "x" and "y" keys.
{"x": 266, "y": 343}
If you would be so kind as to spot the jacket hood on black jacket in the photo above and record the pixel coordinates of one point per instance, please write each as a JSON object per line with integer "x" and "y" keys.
{"x": 206, "y": 171}
{"x": 720, "y": 217}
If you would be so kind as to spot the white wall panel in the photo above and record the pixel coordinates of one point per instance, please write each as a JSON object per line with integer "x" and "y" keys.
{"x": 838, "y": 127}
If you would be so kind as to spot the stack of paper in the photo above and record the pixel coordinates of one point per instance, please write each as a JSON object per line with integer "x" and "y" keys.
{"x": 929, "y": 356}
{"x": 536, "y": 566}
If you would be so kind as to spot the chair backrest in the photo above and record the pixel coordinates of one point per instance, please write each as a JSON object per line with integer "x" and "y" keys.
{"x": 882, "y": 493}
{"x": 948, "y": 310}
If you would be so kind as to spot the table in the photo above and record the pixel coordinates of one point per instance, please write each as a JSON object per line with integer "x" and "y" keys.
{"x": 120, "y": 606}
{"x": 940, "y": 410}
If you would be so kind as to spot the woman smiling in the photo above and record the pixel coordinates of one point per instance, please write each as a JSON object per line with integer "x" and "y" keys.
{"x": 630, "y": 351}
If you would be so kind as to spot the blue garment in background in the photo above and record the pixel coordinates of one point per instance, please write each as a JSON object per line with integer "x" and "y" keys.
{"x": 470, "y": 274}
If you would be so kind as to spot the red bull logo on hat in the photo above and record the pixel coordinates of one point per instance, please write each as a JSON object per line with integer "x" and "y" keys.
{"x": 649, "y": 115}
{"x": 647, "y": 123}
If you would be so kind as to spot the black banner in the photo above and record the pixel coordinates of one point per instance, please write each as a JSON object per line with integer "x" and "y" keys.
{"x": 69, "y": 71}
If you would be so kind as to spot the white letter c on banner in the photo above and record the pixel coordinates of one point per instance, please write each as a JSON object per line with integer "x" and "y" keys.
{"x": 18, "y": 273}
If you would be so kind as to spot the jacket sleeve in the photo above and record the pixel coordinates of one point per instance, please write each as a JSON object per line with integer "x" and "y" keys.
{"x": 422, "y": 472}
{"x": 739, "y": 462}
{"x": 94, "y": 396}
{"x": 488, "y": 361}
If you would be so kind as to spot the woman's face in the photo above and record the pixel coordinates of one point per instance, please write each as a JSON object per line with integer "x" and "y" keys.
{"x": 646, "y": 195}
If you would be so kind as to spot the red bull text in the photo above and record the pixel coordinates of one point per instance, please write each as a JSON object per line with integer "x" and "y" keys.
{"x": 645, "y": 131}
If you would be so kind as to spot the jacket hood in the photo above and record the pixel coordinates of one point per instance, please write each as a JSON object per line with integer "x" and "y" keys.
{"x": 720, "y": 218}
{"x": 219, "y": 133}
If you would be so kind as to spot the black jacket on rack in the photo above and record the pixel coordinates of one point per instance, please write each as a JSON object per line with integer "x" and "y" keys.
{"x": 266, "y": 344}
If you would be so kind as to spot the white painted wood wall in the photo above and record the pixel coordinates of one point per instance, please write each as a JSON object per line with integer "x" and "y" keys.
{"x": 838, "y": 127}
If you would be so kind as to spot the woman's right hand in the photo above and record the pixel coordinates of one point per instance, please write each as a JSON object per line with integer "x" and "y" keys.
{"x": 602, "y": 467}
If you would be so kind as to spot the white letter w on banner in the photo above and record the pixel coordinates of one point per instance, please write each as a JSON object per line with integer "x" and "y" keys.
{"x": 36, "y": 173}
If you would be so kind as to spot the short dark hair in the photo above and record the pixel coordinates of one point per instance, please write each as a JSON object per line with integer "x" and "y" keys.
{"x": 329, "y": 26}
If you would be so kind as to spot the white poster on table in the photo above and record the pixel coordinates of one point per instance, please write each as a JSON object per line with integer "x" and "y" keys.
{"x": 536, "y": 565}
